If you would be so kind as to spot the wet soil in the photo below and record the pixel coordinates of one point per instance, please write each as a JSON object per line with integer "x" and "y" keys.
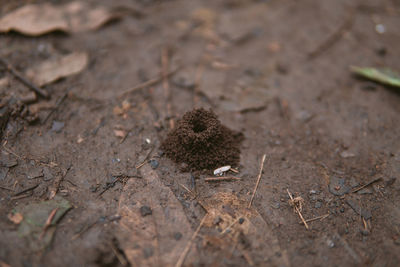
{"x": 325, "y": 134}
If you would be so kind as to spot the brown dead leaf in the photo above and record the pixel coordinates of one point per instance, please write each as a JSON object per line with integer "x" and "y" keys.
{"x": 15, "y": 217}
{"x": 151, "y": 240}
{"x": 238, "y": 222}
{"x": 54, "y": 69}
{"x": 38, "y": 19}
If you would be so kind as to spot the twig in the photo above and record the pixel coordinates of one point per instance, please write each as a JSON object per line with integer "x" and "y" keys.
{"x": 367, "y": 184}
{"x": 5, "y": 188}
{"x": 316, "y": 218}
{"x": 258, "y": 180}
{"x": 145, "y": 159}
{"x": 234, "y": 170}
{"x": 332, "y": 39}
{"x": 119, "y": 255}
{"x": 167, "y": 91}
{"x": 189, "y": 244}
{"x": 229, "y": 226}
{"x": 48, "y": 222}
{"x": 83, "y": 230}
{"x": 24, "y": 80}
{"x": 220, "y": 179}
{"x": 21, "y": 196}
{"x": 58, "y": 103}
{"x": 297, "y": 209}
{"x": 26, "y": 190}
{"x": 149, "y": 82}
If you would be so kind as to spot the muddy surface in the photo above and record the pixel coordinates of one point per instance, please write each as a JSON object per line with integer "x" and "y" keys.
{"x": 276, "y": 71}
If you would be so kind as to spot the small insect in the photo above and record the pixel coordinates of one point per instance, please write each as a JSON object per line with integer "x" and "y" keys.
{"x": 220, "y": 171}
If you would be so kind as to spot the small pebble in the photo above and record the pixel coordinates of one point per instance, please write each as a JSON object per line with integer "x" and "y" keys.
{"x": 177, "y": 235}
{"x": 145, "y": 210}
{"x": 154, "y": 163}
{"x": 330, "y": 243}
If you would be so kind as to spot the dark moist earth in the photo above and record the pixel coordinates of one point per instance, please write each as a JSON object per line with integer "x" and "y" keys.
{"x": 201, "y": 142}
{"x": 325, "y": 134}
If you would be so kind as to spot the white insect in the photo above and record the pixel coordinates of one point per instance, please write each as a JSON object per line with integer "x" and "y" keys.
{"x": 220, "y": 171}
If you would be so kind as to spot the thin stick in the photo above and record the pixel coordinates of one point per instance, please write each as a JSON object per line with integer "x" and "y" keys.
{"x": 367, "y": 184}
{"x": 258, "y": 180}
{"x": 5, "y": 188}
{"x": 332, "y": 39}
{"x": 187, "y": 189}
{"x": 148, "y": 83}
{"x": 83, "y": 231}
{"x": 220, "y": 179}
{"x": 189, "y": 244}
{"x": 58, "y": 103}
{"x": 229, "y": 226}
{"x": 316, "y": 218}
{"x": 26, "y": 190}
{"x": 48, "y": 222}
{"x": 167, "y": 92}
{"x": 297, "y": 209}
{"x": 234, "y": 170}
{"x": 120, "y": 257}
{"x": 145, "y": 159}
{"x": 24, "y": 80}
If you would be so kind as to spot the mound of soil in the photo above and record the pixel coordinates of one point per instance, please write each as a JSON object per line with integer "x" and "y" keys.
{"x": 202, "y": 142}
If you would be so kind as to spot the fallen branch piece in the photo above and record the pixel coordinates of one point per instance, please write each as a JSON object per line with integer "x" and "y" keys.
{"x": 367, "y": 184}
{"x": 220, "y": 179}
{"x": 258, "y": 179}
{"x": 24, "y": 80}
{"x": 335, "y": 37}
{"x": 297, "y": 204}
{"x": 26, "y": 190}
{"x": 150, "y": 82}
{"x": 189, "y": 244}
{"x": 316, "y": 218}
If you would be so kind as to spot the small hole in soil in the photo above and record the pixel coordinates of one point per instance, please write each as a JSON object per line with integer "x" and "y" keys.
{"x": 199, "y": 126}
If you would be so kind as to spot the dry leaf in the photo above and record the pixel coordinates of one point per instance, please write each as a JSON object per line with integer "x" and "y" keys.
{"x": 15, "y": 217}
{"x": 237, "y": 222}
{"x": 149, "y": 240}
{"x": 54, "y": 69}
{"x": 40, "y": 19}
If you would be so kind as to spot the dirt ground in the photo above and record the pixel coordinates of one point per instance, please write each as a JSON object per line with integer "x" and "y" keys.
{"x": 278, "y": 71}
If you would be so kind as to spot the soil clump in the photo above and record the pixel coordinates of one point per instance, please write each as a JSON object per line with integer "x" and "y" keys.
{"x": 202, "y": 142}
